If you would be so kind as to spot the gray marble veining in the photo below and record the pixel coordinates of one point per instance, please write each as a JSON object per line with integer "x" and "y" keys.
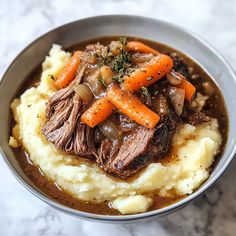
{"x": 22, "y": 21}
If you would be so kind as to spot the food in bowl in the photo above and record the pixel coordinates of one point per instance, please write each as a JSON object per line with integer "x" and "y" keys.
{"x": 118, "y": 126}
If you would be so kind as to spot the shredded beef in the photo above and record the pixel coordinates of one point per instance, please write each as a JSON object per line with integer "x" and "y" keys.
{"x": 136, "y": 145}
{"x": 107, "y": 152}
{"x": 63, "y": 127}
{"x": 142, "y": 147}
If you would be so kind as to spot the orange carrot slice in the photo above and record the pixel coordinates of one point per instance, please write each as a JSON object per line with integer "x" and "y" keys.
{"x": 69, "y": 71}
{"x": 131, "y": 106}
{"x": 189, "y": 89}
{"x": 149, "y": 74}
{"x": 97, "y": 112}
{"x": 136, "y": 46}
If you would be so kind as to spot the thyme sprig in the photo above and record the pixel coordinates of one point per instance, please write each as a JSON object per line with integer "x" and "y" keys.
{"x": 145, "y": 92}
{"x": 123, "y": 41}
{"x": 122, "y": 61}
{"x": 102, "y": 81}
{"x": 119, "y": 63}
{"x": 117, "y": 79}
{"x": 105, "y": 59}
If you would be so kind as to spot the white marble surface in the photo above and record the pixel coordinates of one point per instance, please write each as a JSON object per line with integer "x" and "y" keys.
{"x": 22, "y": 21}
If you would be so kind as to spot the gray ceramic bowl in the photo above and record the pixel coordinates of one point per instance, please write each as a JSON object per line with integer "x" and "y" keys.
{"x": 94, "y": 27}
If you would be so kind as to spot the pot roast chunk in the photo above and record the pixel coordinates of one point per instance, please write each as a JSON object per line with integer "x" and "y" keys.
{"x": 63, "y": 127}
{"x": 129, "y": 151}
{"x": 140, "y": 148}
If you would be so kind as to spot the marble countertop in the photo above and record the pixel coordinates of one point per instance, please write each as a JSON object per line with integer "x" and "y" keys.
{"x": 22, "y": 21}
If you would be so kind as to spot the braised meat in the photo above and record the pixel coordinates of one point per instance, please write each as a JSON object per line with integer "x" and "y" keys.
{"x": 120, "y": 163}
{"x": 64, "y": 128}
{"x": 140, "y": 148}
{"x": 133, "y": 123}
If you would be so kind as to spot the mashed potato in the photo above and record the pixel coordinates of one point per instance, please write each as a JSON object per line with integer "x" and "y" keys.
{"x": 196, "y": 148}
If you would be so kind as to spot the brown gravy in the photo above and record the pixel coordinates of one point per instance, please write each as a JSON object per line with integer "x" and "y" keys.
{"x": 215, "y": 107}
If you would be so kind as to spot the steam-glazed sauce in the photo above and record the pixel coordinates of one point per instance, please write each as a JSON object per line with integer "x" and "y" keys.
{"x": 54, "y": 192}
{"x": 215, "y": 107}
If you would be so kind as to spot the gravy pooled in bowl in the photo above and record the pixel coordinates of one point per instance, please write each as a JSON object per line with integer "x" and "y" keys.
{"x": 118, "y": 126}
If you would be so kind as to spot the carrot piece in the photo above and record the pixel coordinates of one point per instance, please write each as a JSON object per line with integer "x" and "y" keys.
{"x": 189, "y": 89}
{"x": 97, "y": 112}
{"x": 69, "y": 71}
{"x": 149, "y": 74}
{"x": 131, "y": 106}
{"x": 136, "y": 46}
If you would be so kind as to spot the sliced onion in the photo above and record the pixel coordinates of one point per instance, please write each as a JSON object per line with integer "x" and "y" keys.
{"x": 115, "y": 47}
{"x": 98, "y": 136}
{"x": 126, "y": 124}
{"x": 84, "y": 92}
{"x": 159, "y": 105}
{"x": 106, "y": 74}
{"x": 110, "y": 130}
{"x": 141, "y": 57}
{"x": 92, "y": 59}
{"x": 94, "y": 83}
{"x": 127, "y": 127}
{"x": 174, "y": 77}
{"x": 177, "y": 99}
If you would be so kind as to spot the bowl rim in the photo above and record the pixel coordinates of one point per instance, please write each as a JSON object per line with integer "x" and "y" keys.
{"x": 133, "y": 217}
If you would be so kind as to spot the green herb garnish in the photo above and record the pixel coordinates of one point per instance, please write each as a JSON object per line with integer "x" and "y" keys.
{"x": 145, "y": 92}
{"x": 123, "y": 41}
{"x": 117, "y": 79}
{"x": 102, "y": 81}
{"x": 105, "y": 59}
{"x": 121, "y": 62}
{"x": 118, "y": 63}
